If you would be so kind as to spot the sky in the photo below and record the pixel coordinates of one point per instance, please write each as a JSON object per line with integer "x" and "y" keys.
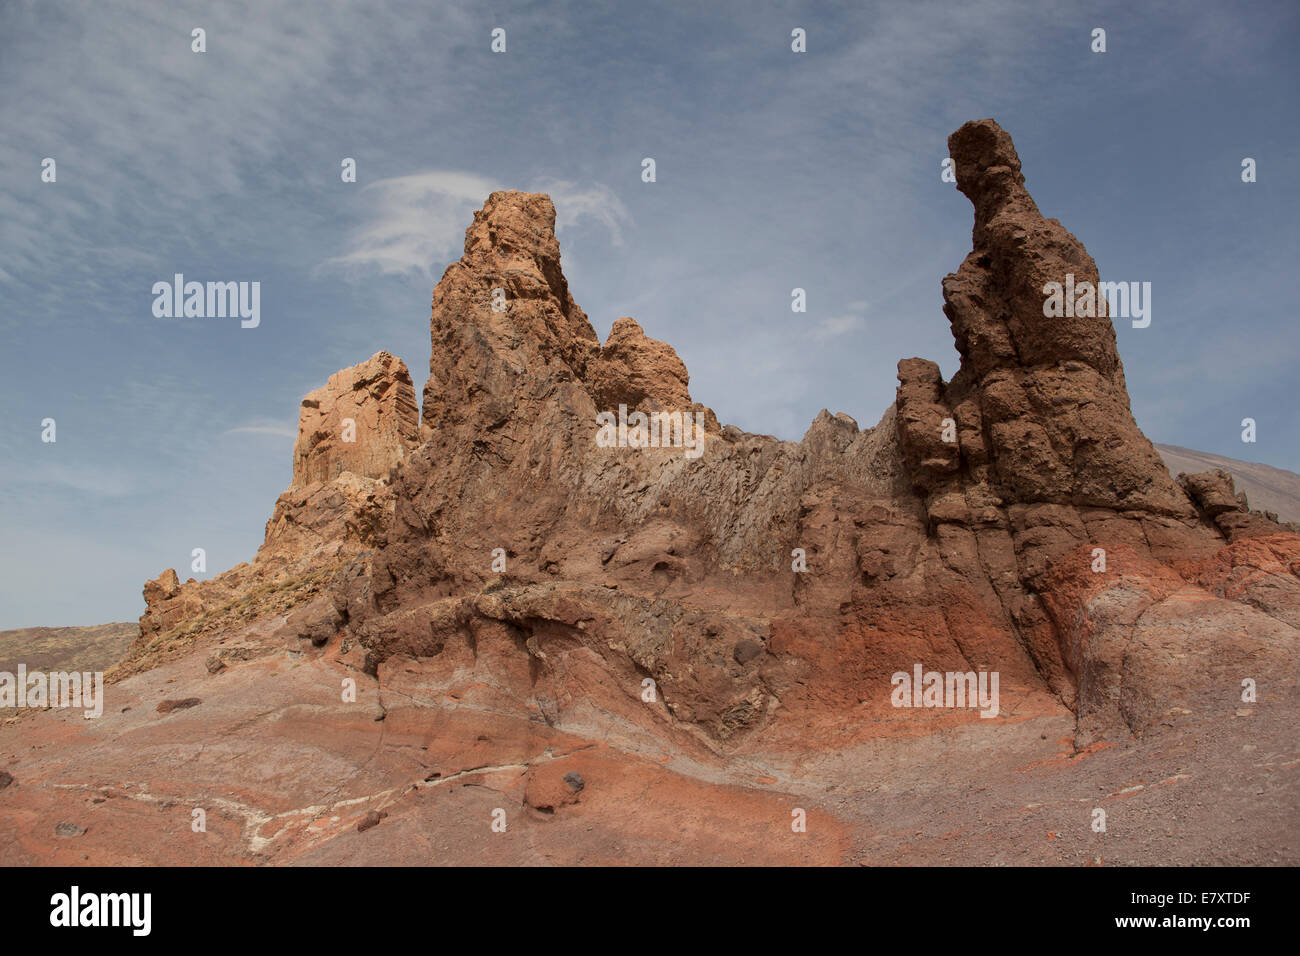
{"x": 775, "y": 170}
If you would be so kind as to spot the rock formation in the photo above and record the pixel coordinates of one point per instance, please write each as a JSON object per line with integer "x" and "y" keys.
{"x": 1013, "y": 519}
{"x": 643, "y": 655}
{"x": 1274, "y": 492}
{"x": 363, "y": 421}
{"x": 351, "y": 434}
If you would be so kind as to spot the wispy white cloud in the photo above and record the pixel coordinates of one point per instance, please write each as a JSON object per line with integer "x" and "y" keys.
{"x": 834, "y": 326}
{"x": 416, "y": 223}
{"x": 276, "y": 429}
{"x": 161, "y": 130}
{"x": 102, "y": 482}
{"x": 837, "y": 325}
{"x": 597, "y": 201}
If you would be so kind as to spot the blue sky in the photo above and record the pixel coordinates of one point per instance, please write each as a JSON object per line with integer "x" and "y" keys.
{"x": 774, "y": 170}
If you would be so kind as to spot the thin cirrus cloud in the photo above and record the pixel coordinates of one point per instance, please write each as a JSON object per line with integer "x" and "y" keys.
{"x": 413, "y": 222}
{"x": 595, "y": 201}
{"x": 837, "y": 325}
{"x": 98, "y": 483}
{"x": 850, "y": 320}
{"x": 417, "y": 222}
{"x": 275, "y": 429}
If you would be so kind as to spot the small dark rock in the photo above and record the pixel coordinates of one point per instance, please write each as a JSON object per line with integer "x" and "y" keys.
{"x": 746, "y": 650}
{"x": 6, "y": 778}
{"x": 167, "y": 706}
{"x": 575, "y": 781}
{"x": 371, "y": 819}
{"x": 68, "y": 830}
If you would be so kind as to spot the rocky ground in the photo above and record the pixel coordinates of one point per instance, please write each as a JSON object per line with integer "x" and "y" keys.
{"x": 286, "y": 772}
{"x": 93, "y": 648}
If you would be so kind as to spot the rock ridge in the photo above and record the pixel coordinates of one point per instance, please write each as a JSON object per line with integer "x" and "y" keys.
{"x": 765, "y": 586}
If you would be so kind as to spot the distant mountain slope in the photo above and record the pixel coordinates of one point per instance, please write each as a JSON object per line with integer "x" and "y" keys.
{"x": 93, "y": 648}
{"x": 1267, "y": 488}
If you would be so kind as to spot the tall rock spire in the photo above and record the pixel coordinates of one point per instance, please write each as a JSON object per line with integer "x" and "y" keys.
{"x": 1040, "y": 403}
{"x": 505, "y": 331}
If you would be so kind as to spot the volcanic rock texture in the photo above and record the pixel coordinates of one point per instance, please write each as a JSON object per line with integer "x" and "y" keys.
{"x": 522, "y": 607}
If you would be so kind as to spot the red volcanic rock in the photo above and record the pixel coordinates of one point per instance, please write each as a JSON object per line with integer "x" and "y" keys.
{"x": 1051, "y": 410}
{"x": 168, "y": 603}
{"x": 1262, "y": 571}
{"x": 550, "y": 787}
{"x": 165, "y": 586}
{"x": 352, "y": 433}
{"x": 923, "y": 422}
{"x": 638, "y": 371}
{"x": 1213, "y": 491}
{"x": 484, "y": 359}
{"x": 1147, "y": 644}
{"x": 930, "y": 538}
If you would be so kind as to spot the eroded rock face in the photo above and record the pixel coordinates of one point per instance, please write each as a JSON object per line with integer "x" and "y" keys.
{"x": 363, "y": 421}
{"x": 484, "y": 360}
{"x": 352, "y": 433}
{"x": 1148, "y": 645}
{"x": 1013, "y": 519}
{"x": 638, "y": 371}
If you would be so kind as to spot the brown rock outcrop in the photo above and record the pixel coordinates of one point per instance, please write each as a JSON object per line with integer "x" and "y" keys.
{"x": 1147, "y": 644}
{"x": 352, "y": 433}
{"x": 363, "y": 420}
{"x": 642, "y": 373}
{"x": 503, "y": 320}
{"x": 1052, "y": 418}
{"x": 638, "y": 371}
{"x": 1215, "y": 494}
{"x": 769, "y": 585}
